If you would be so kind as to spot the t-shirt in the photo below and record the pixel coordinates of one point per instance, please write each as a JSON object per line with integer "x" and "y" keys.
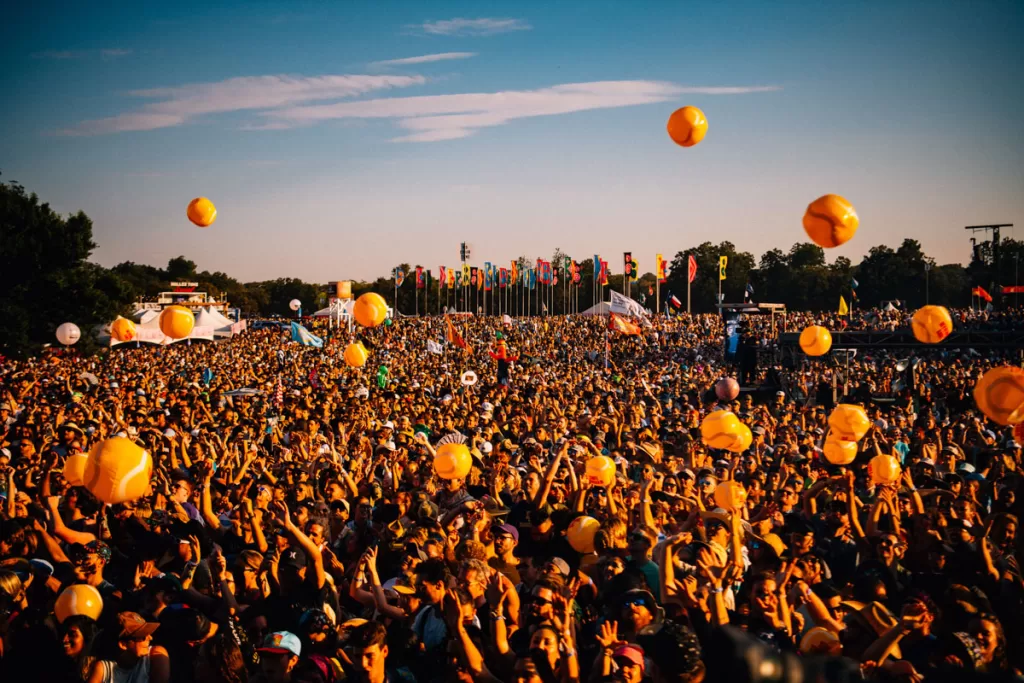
{"x": 507, "y": 569}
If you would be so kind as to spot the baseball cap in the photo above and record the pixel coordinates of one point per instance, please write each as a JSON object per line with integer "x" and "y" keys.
{"x": 632, "y": 653}
{"x": 507, "y": 529}
{"x": 134, "y": 627}
{"x": 293, "y": 557}
{"x": 280, "y": 643}
{"x": 560, "y": 564}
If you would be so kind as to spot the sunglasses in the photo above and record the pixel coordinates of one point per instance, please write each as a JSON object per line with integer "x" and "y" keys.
{"x": 635, "y": 602}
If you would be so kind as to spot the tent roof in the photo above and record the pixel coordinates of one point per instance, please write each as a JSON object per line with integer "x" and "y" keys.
{"x": 601, "y": 308}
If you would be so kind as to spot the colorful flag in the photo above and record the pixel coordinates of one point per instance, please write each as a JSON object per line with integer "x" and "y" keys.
{"x": 465, "y": 273}
{"x": 451, "y": 278}
{"x": 691, "y": 268}
{"x": 981, "y": 293}
{"x": 748, "y": 293}
{"x": 474, "y": 276}
{"x": 674, "y": 300}
{"x": 661, "y": 266}
{"x": 488, "y": 277}
{"x": 503, "y": 277}
{"x": 853, "y": 283}
{"x": 723, "y": 261}
{"x": 577, "y": 276}
{"x": 619, "y": 324}
{"x": 452, "y": 335}
{"x": 533, "y": 278}
{"x": 419, "y": 277}
{"x": 442, "y": 278}
{"x": 604, "y": 273}
{"x": 634, "y": 269}
{"x": 843, "y": 308}
{"x": 458, "y": 278}
{"x": 303, "y": 336}
{"x": 514, "y": 273}
{"x": 628, "y": 264}
{"x": 399, "y": 277}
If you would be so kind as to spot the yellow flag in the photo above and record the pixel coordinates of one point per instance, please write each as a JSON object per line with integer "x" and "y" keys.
{"x": 723, "y": 261}
{"x": 843, "y": 308}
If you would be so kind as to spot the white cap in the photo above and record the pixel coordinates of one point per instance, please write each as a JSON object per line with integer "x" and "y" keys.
{"x": 388, "y": 425}
{"x": 486, "y": 447}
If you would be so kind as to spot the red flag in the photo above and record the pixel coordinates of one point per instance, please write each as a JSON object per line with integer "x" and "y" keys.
{"x": 419, "y": 278}
{"x": 627, "y": 327}
{"x": 692, "y": 263}
{"x": 1014, "y": 289}
{"x": 981, "y": 294}
{"x": 604, "y": 273}
{"x": 452, "y": 335}
{"x": 442, "y": 278}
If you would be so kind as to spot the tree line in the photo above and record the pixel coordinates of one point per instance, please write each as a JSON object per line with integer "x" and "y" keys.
{"x": 50, "y": 280}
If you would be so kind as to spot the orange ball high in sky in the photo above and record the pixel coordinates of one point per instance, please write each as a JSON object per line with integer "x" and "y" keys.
{"x": 202, "y": 212}
{"x": 687, "y": 126}
{"x": 830, "y": 221}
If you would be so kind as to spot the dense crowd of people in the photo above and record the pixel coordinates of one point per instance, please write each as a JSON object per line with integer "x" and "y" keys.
{"x": 296, "y": 531}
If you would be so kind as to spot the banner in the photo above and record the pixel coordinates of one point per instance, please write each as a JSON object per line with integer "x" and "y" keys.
{"x": 465, "y": 273}
{"x": 691, "y": 268}
{"x": 303, "y": 336}
{"x": 1015, "y": 289}
{"x": 623, "y": 305}
{"x": 451, "y": 278}
{"x": 660, "y": 267}
{"x": 627, "y": 327}
{"x": 474, "y": 275}
{"x": 488, "y": 276}
{"x": 843, "y": 308}
{"x": 399, "y": 277}
{"x": 723, "y": 261}
{"x": 419, "y": 277}
{"x": 627, "y": 264}
{"x": 442, "y": 278}
{"x": 452, "y": 335}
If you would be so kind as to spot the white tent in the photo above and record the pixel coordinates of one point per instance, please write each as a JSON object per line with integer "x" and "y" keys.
{"x": 150, "y": 332}
{"x": 222, "y": 327}
{"x": 602, "y": 308}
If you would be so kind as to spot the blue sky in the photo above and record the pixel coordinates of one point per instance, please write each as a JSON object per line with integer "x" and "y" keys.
{"x": 340, "y": 138}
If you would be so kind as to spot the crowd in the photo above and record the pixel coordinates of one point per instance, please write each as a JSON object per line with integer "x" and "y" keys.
{"x": 297, "y": 531}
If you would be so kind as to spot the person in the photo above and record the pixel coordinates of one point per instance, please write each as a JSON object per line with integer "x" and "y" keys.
{"x": 474, "y": 578}
{"x": 137, "y": 660}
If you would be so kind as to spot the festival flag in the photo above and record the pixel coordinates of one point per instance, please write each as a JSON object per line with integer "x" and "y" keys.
{"x": 619, "y": 324}
{"x": 474, "y": 276}
{"x": 434, "y": 347}
{"x": 604, "y": 273}
{"x": 661, "y": 266}
{"x": 488, "y": 277}
{"x": 627, "y": 258}
{"x": 691, "y": 268}
{"x": 674, "y": 300}
{"x": 577, "y": 275}
{"x": 723, "y": 261}
{"x": 554, "y": 276}
{"x": 465, "y": 272}
{"x": 634, "y": 269}
{"x": 303, "y": 336}
{"x": 399, "y": 277}
{"x": 452, "y": 335}
{"x": 533, "y": 278}
{"x": 419, "y": 278}
{"x": 843, "y": 308}
{"x": 748, "y": 293}
{"x": 480, "y": 278}
{"x": 442, "y": 278}
{"x": 451, "y": 278}
{"x": 459, "y": 281}
{"x": 513, "y": 276}
{"x": 981, "y": 293}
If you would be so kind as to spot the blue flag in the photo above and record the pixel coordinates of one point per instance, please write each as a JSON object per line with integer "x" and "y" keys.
{"x": 303, "y": 336}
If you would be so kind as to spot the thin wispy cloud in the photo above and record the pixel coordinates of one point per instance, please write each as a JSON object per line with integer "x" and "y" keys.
{"x": 450, "y": 117}
{"x": 114, "y": 53}
{"x": 182, "y": 104}
{"x": 59, "y": 54}
{"x": 487, "y": 26}
{"x": 425, "y": 59}
{"x": 105, "y": 53}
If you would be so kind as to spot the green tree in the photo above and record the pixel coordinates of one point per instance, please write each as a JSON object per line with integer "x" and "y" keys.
{"x": 50, "y": 281}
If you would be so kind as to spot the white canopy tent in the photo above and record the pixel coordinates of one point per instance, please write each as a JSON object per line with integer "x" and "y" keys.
{"x": 150, "y": 332}
{"x": 602, "y": 308}
{"x": 222, "y": 327}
